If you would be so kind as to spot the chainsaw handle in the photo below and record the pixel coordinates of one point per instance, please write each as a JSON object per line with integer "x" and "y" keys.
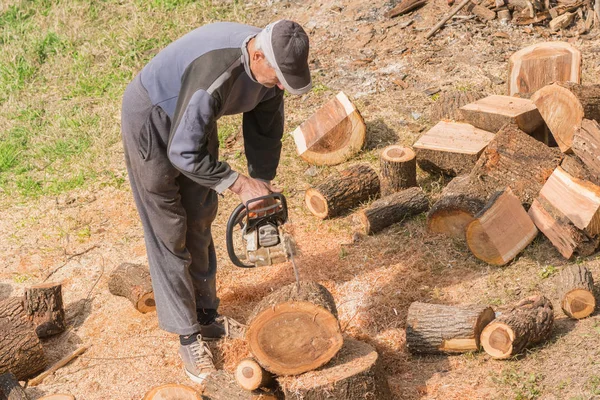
{"x": 234, "y": 219}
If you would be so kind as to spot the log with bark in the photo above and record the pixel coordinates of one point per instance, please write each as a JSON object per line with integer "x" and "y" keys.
{"x": 221, "y": 385}
{"x": 493, "y": 112}
{"x": 501, "y": 230}
{"x": 251, "y": 376}
{"x": 44, "y": 306}
{"x": 564, "y": 105}
{"x": 447, "y": 106}
{"x": 331, "y": 135}
{"x": 338, "y": 194}
{"x": 355, "y": 373}
{"x": 436, "y": 328}
{"x": 393, "y": 209}
{"x": 398, "y": 166}
{"x": 294, "y": 330}
{"x": 576, "y": 291}
{"x": 10, "y": 389}
{"x": 528, "y": 323}
{"x": 451, "y": 148}
{"x": 586, "y": 145}
{"x": 133, "y": 282}
{"x": 540, "y": 64}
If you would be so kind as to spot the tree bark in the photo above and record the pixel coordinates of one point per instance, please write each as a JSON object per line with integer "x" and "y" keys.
{"x": 436, "y": 328}
{"x": 44, "y": 306}
{"x": 398, "y": 169}
{"x": 576, "y": 292}
{"x": 133, "y": 282}
{"x": 493, "y": 112}
{"x": 251, "y": 376}
{"x": 221, "y": 385}
{"x": 10, "y": 388}
{"x": 586, "y": 145}
{"x": 339, "y": 194}
{"x": 577, "y": 169}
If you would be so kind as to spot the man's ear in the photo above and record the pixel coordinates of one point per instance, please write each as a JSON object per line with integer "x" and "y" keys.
{"x": 258, "y": 55}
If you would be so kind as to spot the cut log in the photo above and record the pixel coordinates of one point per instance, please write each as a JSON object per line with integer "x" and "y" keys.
{"x": 392, "y": 209}
{"x": 339, "y": 194}
{"x": 436, "y": 328}
{"x": 540, "y": 64}
{"x": 528, "y": 323}
{"x": 172, "y": 391}
{"x": 355, "y": 373}
{"x": 404, "y": 7}
{"x": 576, "y": 292}
{"x": 586, "y": 145}
{"x": 451, "y": 148}
{"x": 564, "y": 105}
{"x": 578, "y": 200}
{"x": 493, "y": 112}
{"x": 333, "y": 134}
{"x": 456, "y": 208}
{"x": 133, "y": 282}
{"x": 293, "y": 331}
{"x": 447, "y": 106}
{"x": 577, "y": 169}
{"x": 20, "y": 349}
{"x": 515, "y": 159}
{"x": 501, "y": 230}
{"x": 562, "y": 21}
{"x": 251, "y": 376}
{"x": 398, "y": 169}
{"x": 10, "y": 389}
{"x": 221, "y": 385}
{"x": 44, "y": 306}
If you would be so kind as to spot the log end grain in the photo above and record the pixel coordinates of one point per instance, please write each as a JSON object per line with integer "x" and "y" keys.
{"x": 578, "y": 303}
{"x": 497, "y": 339}
{"x": 172, "y": 392}
{"x": 316, "y": 203}
{"x": 251, "y": 376}
{"x": 451, "y": 223}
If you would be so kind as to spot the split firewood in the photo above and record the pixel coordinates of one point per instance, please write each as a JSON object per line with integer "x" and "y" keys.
{"x": 398, "y": 166}
{"x": 445, "y": 19}
{"x": 528, "y": 323}
{"x": 447, "y": 106}
{"x": 404, "y": 7}
{"x": 392, "y": 209}
{"x": 436, "y": 328}
{"x": 451, "y": 148}
{"x": 221, "y": 385}
{"x": 44, "y": 306}
{"x": 251, "y": 376}
{"x": 355, "y": 373}
{"x": 294, "y": 330}
{"x": 331, "y": 135}
{"x": 576, "y": 292}
{"x": 457, "y": 206}
{"x": 540, "y": 64}
{"x": 537, "y": 19}
{"x": 504, "y": 16}
{"x": 578, "y": 200}
{"x": 586, "y": 145}
{"x": 10, "y": 389}
{"x": 172, "y": 391}
{"x": 501, "y": 230}
{"x": 493, "y": 112}
{"x": 61, "y": 363}
{"x": 338, "y": 194}
{"x": 483, "y": 13}
{"x": 562, "y": 21}
{"x": 557, "y": 11}
{"x": 133, "y": 282}
{"x": 577, "y": 169}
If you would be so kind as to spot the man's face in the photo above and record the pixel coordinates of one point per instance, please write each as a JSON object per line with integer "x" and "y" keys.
{"x": 263, "y": 72}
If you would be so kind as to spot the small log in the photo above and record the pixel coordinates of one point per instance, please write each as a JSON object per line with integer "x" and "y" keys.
{"x": 61, "y": 363}
{"x": 331, "y": 135}
{"x": 172, "y": 391}
{"x": 355, "y": 373}
{"x": 561, "y": 22}
{"x": 251, "y": 376}
{"x": 493, "y": 112}
{"x": 578, "y": 200}
{"x": 577, "y": 169}
{"x": 451, "y": 148}
{"x": 540, "y": 64}
{"x": 456, "y": 208}
{"x": 292, "y": 331}
{"x": 404, "y": 7}
{"x": 501, "y": 230}
{"x": 436, "y": 328}
{"x": 392, "y": 209}
{"x": 398, "y": 169}
{"x": 337, "y": 195}
{"x": 447, "y": 106}
{"x": 133, "y": 282}
{"x": 44, "y": 305}
{"x": 586, "y": 145}
{"x": 528, "y": 323}
{"x": 564, "y": 105}
{"x": 20, "y": 349}
{"x": 221, "y": 385}
{"x": 576, "y": 292}
{"x": 10, "y": 389}
{"x": 483, "y": 13}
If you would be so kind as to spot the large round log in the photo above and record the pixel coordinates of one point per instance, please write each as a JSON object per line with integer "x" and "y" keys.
{"x": 10, "y": 389}
{"x": 133, "y": 282}
{"x": 221, "y": 385}
{"x": 172, "y": 391}
{"x": 44, "y": 305}
{"x": 20, "y": 349}
{"x": 398, "y": 166}
{"x": 339, "y": 194}
{"x": 354, "y": 373}
{"x": 528, "y": 323}
{"x": 292, "y": 331}
{"x": 436, "y": 328}
{"x": 576, "y": 292}
{"x": 392, "y": 209}
{"x": 251, "y": 376}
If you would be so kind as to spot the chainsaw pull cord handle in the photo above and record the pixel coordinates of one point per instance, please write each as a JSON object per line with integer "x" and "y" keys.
{"x": 234, "y": 219}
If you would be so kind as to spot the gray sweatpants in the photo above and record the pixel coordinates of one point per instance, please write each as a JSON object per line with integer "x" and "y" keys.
{"x": 176, "y": 215}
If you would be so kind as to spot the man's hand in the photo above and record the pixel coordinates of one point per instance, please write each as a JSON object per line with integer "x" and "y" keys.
{"x": 250, "y": 188}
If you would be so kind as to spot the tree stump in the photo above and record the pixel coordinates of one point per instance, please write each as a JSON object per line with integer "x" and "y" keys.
{"x": 44, "y": 305}
{"x": 353, "y": 374}
{"x": 457, "y": 206}
{"x": 10, "y": 389}
{"x": 339, "y": 194}
{"x": 20, "y": 349}
{"x": 398, "y": 169}
{"x": 172, "y": 391}
{"x": 392, "y": 209}
{"x": 576, "y": 292}
{"x": 586, "y": 145}
{"x": 291, "y": 331}
{"x": 133, "y": 282}
{"x": 447, "y": 106}
{"x": 493, "y": 112}
{"x": 221, "y": 385}
{"x": 528, "y": 323}
{"x": 436, "y": 328}
{"x": 331, "y": 135}
{"x": 251, "y": 376}
{"x": 564, "y": 105}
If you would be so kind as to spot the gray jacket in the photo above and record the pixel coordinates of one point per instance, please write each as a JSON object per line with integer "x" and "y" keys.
{"x": 201, "y": 77}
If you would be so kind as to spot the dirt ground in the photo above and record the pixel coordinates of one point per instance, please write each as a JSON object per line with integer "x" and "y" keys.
{"x": 80, "y": 237}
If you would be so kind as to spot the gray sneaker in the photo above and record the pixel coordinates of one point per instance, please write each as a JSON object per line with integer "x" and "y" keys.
{"x": 223, "y": 327}
{"x": 197, "y": 360}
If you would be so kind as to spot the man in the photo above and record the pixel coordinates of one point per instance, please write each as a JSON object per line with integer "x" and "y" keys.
{"x": 169, "y": 127}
